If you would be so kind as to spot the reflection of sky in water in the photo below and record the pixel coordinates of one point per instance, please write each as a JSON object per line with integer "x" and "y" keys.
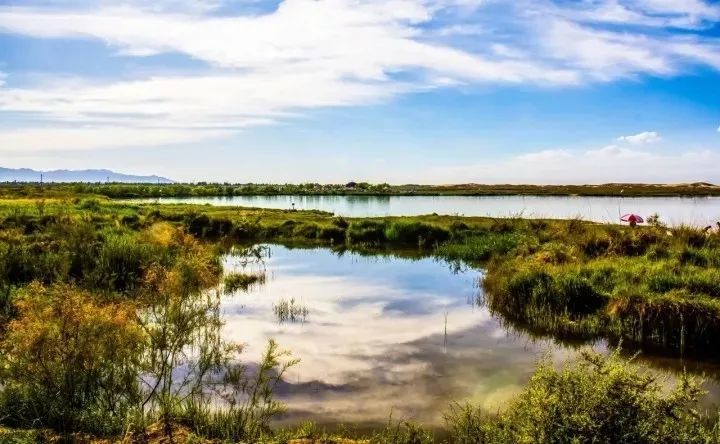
{"x": 672, "y": 210}
{"x": 374, "y": 340}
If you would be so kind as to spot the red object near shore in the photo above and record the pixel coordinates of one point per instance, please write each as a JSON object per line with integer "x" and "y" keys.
{"x": 632, "y": 218}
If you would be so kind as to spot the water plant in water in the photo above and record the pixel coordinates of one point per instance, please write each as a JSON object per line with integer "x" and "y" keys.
{"x": 290, "y": 311}
{"x": 239, "y": 281}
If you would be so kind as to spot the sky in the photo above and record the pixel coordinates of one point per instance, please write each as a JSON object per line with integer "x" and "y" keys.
{"x": 397, "y": 91}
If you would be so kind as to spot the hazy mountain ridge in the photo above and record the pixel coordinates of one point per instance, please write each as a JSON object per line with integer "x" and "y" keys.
{"x": 101, "y": 175}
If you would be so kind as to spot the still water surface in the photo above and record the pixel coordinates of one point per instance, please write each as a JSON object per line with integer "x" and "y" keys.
{"x": 672, "y": 210}
{"x": 383, "y": 334}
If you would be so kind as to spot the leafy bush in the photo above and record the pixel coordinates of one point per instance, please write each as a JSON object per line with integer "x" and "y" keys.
{"x": 335, "y": 234}
{"x": 121, "y": 263}
{"x": 69, "y": 363}
{"x": 341, "y": 222}
{"x": 92, "y": 205}
{"x": 366, "y": 231}
{"x": 415, "y": 232}
{"x": 595, "y": 246}
{"x": 599, "y": 399}
{"x": 307, "y": 231}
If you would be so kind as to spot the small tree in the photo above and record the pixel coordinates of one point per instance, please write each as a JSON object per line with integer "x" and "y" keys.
{"x": 68, "y": 362}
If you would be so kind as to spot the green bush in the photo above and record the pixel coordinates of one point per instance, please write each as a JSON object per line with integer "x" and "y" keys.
{"x": 121, "y": 263}
{"x": 335, "y": 234}
{"x": 415, "y": 232}
{"x": 595, "y": 246}
{"x": 92, "y": 205}
{"x": 480, "y": 247}
{"x": 366, "y": 231}
{"x": 307, "y": 231}
{"x": 599, "y": 399}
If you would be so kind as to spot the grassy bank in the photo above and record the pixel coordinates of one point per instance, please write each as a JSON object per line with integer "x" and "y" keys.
{"x": 75, "y": 271}
{"x": 119, "y": 190}
{"x": 650, "y": 285}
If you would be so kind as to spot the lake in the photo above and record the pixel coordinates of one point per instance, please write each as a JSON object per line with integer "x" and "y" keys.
{"x": 386, "y": 334}
{"x": 700, "y": 211}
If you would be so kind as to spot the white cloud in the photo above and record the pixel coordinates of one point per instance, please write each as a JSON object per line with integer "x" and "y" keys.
{"x": 685, "y": 14}
{"x": 645, "y": 137}
{"x": 608, "y": 164}
{"x": 692, "y": 9}
{"x": 233, "y": 101}
{"x": 307, "y": 54}
{"x": 355, "y": 39}
{"x": 101, "y": 137}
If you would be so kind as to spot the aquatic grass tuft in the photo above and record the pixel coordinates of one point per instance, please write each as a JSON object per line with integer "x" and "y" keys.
{"x": 237, "y": 281}
{"x": 289, "y": 310}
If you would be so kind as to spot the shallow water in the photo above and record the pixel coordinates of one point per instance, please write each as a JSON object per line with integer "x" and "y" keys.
{"x": 672, "y": 210}
{"x": 382, "y": 335}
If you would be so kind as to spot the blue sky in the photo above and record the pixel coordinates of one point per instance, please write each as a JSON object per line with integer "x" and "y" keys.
{"x": 431, "y": 91}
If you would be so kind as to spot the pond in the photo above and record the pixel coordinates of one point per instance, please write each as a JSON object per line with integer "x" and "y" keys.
{"x": 701, "y": 211}
{"x": 384, "y": 334}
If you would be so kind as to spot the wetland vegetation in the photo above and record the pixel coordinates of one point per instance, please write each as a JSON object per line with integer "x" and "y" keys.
{"x": 101, "y": 304}
{"x": 202, "y": 189}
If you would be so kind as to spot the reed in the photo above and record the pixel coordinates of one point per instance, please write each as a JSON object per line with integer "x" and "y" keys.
{"x": 289, "y": 310}
{"x": 236, "y": 281}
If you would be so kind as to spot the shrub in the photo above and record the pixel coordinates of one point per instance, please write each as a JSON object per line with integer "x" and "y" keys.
{"x": 335, "y": 234}
{"x": 198, "y": 224}
{"x": 131, "y": 221}
{"x": 307, "y": 231}
{"x": 596, "y": 246}
{"x": 69, "y": 363}
{"x": 598, "y": 399}
{"x": 554, "y": 253}
{"x": 414, "y": 232}
{"x": 366, "y": 231}
{"x": 693, "y": 256}
{"x": 286, "y": 228}
{"x": 90, "y": 205}
{"x": 340, "y": 222}
{"x": 121, "y": 263}
{"x": 480, "y": 247}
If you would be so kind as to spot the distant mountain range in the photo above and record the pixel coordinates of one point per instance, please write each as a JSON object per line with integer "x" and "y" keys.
{"x": 28, "y": 175}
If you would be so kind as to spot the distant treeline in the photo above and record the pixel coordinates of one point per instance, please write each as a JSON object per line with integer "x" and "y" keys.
{"x": 202, "y": 189}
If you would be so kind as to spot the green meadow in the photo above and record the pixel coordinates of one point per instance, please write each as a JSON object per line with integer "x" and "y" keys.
{"x": 100, "y": 301}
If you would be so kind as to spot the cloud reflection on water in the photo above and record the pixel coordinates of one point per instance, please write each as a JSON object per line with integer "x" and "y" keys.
{"x": 375, "y": 337}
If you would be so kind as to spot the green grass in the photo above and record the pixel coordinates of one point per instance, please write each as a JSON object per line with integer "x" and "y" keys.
{"x": 648, "y": 285}
{"x": 598, "y": 399}
{"x": 654, "y": 287}
{"x": 235, "y": 281}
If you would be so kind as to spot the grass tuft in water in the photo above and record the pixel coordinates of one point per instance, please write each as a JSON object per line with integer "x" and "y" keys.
{"x": 290, "y": 311}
